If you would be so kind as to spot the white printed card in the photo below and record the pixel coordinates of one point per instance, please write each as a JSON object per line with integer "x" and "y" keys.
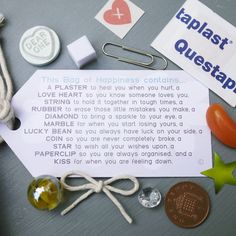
{"x": 142, "y": 123}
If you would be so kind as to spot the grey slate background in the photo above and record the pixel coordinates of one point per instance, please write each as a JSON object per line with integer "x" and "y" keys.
{"x": 72, "y": 19}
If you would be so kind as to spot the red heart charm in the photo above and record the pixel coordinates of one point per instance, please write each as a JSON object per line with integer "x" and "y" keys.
{"x": 119, "y": 14}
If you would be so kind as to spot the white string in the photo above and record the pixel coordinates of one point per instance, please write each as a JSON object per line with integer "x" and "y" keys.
{"x": 6, "y": 90}
{"x": 97, "y": 187}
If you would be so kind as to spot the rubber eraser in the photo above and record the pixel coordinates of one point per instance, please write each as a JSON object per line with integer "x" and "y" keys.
{"x": 81, "y": 51}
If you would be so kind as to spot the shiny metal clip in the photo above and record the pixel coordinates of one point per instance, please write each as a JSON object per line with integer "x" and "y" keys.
{"x": 147, "y": 65}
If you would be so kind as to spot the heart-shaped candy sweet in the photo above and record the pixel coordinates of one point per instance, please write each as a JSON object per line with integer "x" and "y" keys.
{"x": 39, "y": 45}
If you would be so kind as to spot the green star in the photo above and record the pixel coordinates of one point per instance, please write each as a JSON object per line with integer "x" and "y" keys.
{"x": 221, "y": 173}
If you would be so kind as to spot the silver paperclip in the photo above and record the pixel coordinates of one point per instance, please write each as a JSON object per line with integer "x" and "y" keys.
{"x": 147, "y": 65}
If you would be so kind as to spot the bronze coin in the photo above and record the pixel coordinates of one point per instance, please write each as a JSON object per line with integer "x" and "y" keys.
{"x": 187, "y": 204}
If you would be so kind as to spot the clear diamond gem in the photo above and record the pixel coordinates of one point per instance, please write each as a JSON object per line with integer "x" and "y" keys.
{"x": 149, "y": 197}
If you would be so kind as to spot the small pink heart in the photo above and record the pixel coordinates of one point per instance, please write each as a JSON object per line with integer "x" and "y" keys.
{"x": 119, "y": 14}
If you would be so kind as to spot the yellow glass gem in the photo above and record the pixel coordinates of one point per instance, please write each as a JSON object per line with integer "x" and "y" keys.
{"x": 45, "y": 192}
